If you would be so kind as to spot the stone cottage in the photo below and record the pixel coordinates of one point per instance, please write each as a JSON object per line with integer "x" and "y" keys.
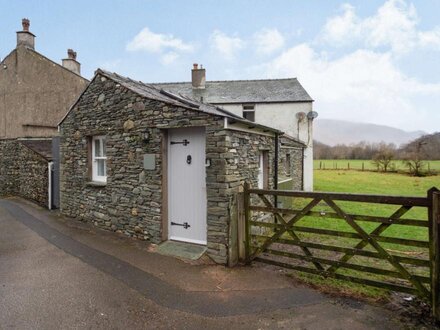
{"x": 35, "y": 94}
{"x": 154, "y": 165}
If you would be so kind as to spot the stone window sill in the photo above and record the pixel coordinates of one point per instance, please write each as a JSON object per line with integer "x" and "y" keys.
{"x": 96, "y": 184}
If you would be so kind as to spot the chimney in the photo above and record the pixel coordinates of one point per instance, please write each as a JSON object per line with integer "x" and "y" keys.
{"x": 71, "y": 63}
{"x": 25, "y": 37}
{"x": 198, "y": 77}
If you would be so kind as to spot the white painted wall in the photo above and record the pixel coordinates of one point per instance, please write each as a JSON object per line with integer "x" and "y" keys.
{"x": 282, "y": 116}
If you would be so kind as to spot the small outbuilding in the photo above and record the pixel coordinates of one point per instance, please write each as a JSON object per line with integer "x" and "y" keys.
{"x": 158, "y": 166}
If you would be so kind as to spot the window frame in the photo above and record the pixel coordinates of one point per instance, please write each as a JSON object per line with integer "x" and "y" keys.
{"x": 94, "y": 158}
{"x": 263, "y": 170}
{"x": 248, "y": 108}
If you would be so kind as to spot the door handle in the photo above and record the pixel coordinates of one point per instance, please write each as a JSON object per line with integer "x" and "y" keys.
{"x": 188, "y": 159}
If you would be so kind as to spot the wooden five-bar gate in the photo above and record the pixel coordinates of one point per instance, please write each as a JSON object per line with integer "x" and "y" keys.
{"x": 347, "y": 237}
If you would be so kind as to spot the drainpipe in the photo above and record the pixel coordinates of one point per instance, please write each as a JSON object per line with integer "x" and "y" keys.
{"x": 302, "y": 170}
{"x": 275, "y": 175}
{"x": 49, "y": 185}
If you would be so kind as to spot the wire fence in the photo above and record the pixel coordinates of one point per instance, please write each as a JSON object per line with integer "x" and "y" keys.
{"x": 431, "y": 166}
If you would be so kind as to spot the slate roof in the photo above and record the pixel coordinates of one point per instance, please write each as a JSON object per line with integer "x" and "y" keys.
{"x": 154, "y": 92}
{"x": 41, "y": 147}
{"x": 242, "y": 91}
{"x": 290, "y": 141}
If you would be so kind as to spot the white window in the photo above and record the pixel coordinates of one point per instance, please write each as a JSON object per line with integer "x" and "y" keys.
{"x": 99, "y": 159}
{"x": 249, "y": 112}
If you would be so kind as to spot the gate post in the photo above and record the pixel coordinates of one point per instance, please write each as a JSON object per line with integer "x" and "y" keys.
{"x": 241, "y": 228}
{"x": 434, "y": 250}
{"x": 247, "y": 236}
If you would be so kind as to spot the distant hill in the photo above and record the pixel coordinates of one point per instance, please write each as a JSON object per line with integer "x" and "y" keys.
{"x": 333, "y": 132}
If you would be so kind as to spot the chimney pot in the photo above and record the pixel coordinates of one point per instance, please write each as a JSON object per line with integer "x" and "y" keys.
{"x": 71, "y": 54}
{"x": 195, "y": 66}
{"x": 25, "y": 23}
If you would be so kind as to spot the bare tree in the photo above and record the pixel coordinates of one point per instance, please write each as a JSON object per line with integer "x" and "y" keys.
{"x": 384, "y": 156}
{"x": 414, "y": 158}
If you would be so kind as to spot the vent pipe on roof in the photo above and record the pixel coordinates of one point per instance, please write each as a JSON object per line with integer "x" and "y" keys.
{"x": 71, "y": 63}
{"x": 198, "y": 76}
{"x": 25, "y": 37}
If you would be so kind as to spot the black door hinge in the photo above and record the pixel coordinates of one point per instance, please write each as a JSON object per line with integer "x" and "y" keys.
{"x": 184, "y": 142}
{"x": 184, "y": 225}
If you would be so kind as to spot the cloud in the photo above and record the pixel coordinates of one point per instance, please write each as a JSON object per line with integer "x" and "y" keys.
{"x": 268, "y": 41}
{"x": 430, "y": 38}
{"x": 394, "y": 25}
{"x": 227, "y": 46}
{"x": 169, "y": 58}
{"x": 363, "y": 86}
{"x": 151, "y": 42}
{"x": 342, "y": 29}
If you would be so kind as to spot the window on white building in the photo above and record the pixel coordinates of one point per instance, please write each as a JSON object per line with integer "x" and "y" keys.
{"x": 99, "y": 159}
{"x": 249, "y": 112}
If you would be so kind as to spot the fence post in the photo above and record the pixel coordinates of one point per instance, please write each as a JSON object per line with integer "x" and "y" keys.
{"x": 434, "y": 249}
{"x": 246, "y": 204}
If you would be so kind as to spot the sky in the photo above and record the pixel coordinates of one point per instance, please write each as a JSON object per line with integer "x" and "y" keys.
{"x": 364, "y": 61}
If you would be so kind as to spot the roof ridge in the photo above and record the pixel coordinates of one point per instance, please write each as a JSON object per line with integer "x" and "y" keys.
{"x": 219, "y": 81}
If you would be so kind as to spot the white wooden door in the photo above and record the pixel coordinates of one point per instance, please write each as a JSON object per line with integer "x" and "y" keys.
{"x": 187, "y": 185}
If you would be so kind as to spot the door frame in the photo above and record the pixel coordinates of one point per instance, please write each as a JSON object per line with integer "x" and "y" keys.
{"x": 164, "y": 147}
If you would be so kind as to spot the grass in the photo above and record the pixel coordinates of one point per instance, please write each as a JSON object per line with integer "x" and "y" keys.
{"x": 356, "y": 164}
{"x": 364, "y": 183}
{"x": 373, "y": 183}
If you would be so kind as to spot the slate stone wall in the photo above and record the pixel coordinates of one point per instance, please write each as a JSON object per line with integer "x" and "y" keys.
{"x": 23, "y": 172}
{"x": 8, "y": 167}
{"x": 236, "y": 164}
{"x": 295, "y": 170}
{"x": 131, "y": 200}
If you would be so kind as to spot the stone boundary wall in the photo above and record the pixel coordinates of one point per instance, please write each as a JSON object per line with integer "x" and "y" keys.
{"x": 23, "y": 172}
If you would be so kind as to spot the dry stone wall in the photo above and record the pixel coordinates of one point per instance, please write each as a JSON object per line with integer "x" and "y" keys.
{"x": 23, "y": 172}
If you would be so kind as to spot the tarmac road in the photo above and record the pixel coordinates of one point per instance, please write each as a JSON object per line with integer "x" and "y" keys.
{"x": 55, "y": 275}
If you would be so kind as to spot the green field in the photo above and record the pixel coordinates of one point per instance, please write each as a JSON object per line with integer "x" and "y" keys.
{"x": 368, "y": 183}
{"x": 374, "y": 183}
{"x": 365, "y": 183}
{"x": 356, "y": 164}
